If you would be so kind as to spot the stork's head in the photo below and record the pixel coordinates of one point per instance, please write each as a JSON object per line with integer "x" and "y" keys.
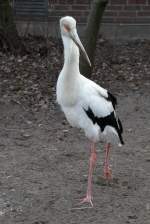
{"x": 68, "y": 29}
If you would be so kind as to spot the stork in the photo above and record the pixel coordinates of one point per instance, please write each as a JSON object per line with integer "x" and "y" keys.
{"x": 85, "y": 104}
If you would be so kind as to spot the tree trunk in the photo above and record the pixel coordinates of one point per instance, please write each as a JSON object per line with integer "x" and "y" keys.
{"x": 9, "y": 38}
{"x": 91, "y": 34}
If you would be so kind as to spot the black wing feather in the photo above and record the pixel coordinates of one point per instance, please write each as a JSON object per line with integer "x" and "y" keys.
{"x": 109, "y": 120}
{"x": 120, "y": 126}
{"x": 112, "y": 99}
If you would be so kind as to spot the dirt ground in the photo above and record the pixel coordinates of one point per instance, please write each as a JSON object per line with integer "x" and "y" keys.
{"x": 44, "y": 162}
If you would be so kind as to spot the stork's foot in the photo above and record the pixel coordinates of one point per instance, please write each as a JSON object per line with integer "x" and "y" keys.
{"x": 107, "y": 173}
{"x": 87, "y": 199}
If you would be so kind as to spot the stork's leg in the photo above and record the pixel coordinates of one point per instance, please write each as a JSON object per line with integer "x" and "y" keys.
{"x": 92, "y": 162}
{"x": 107, "y": 170}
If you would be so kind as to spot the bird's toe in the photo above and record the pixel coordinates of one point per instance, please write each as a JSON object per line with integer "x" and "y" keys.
{"x": 87, "y": 199}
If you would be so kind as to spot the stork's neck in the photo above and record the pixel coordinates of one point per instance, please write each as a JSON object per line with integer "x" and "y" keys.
{"x": 71, "y": 57}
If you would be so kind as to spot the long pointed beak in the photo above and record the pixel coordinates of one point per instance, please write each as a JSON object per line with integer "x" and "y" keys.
{"x": 74, "y": 36}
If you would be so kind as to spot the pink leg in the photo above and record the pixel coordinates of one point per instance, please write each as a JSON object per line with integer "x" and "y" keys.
{"x": 107, "y": 170}
{"x": 92, "y": 162}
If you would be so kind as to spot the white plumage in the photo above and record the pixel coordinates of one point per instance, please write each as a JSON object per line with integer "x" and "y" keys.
{"x": 85, "y": 104}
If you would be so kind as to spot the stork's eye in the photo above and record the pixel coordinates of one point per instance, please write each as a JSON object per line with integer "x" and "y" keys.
{"x": 66, "y": 28}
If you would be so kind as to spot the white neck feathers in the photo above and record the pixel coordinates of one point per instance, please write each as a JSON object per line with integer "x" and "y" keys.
{"x": 71, "y": 56}
{"x": 67, "y": 85}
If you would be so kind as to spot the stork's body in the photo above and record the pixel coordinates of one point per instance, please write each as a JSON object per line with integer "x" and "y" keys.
{"x": 86, "y": 105}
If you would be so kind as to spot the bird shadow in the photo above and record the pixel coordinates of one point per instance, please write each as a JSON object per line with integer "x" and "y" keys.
{"x": 102, "y": 181}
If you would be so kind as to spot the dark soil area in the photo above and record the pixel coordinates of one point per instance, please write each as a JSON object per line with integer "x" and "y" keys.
{"x": 44, "y": 162}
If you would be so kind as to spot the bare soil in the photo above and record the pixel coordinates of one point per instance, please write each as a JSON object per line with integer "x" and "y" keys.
{"x": 44, "y": 162}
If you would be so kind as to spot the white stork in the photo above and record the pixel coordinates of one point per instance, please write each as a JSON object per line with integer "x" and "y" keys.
{"x": 85, "y": 104}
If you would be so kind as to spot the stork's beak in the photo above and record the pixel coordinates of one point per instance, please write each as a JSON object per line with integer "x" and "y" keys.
{"x": 74, "y": 36}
